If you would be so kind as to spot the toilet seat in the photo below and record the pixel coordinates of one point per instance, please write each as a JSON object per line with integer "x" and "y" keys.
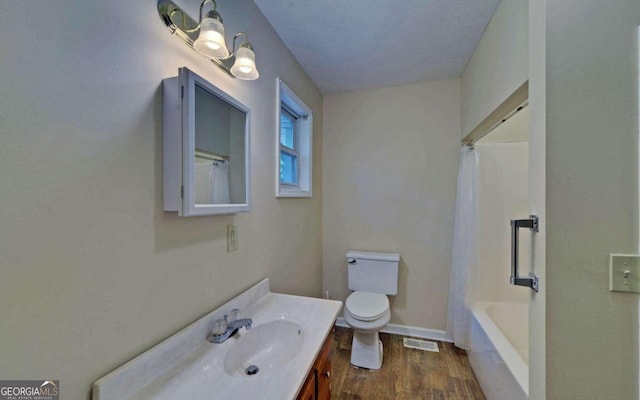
{"x": 366, "y": 306}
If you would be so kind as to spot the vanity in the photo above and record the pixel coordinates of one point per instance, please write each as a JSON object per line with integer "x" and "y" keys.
{"x": 317, "y": 386}
{"x": 286, "y": 354}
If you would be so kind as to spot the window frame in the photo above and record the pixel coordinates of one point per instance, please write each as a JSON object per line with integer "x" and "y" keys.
{"x": 303, "y": 142}
{"x": 292, "y": 151}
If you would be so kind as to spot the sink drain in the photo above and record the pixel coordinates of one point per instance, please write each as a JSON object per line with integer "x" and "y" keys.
{"x": 252, "y": 370}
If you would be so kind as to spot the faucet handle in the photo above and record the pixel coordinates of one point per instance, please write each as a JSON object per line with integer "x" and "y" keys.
{"x": 219, "y": 326}
{"x": 233, "y": 315}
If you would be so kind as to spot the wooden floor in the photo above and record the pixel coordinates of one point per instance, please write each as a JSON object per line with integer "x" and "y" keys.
{"x": 406, "y": 374}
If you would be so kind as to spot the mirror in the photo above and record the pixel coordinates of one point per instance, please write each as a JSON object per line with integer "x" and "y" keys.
{"x": 206, "y": 137}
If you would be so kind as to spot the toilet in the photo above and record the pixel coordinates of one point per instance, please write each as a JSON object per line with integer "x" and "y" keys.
{"x": 372, "y": 276}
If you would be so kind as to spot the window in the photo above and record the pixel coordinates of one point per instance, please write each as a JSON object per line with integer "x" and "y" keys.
{"x": 294, "y": 150}
{"x": 288, "y": 148}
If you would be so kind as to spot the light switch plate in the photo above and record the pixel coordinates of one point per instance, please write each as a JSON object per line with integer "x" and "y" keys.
{"x": 232, "y": 238}
{"x": 624, "y": 270}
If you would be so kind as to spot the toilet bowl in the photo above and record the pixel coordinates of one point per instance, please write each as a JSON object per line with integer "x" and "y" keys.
{"x": 367, "y": 313}
{"x": 372, "y": 276}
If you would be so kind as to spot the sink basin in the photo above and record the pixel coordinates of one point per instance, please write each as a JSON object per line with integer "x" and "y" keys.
{"x": 268, "y": 346}
{"x": 288, "y": 331}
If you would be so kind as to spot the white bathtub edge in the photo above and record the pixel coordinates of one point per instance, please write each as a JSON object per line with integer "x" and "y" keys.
{"x": 515, "y": 365}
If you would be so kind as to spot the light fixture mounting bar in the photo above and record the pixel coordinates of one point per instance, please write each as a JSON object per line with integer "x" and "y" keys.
{"x": 183, "y": 26}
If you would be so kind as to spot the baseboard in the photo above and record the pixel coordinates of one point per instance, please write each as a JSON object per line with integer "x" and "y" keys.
{"x": 404, "y": 330}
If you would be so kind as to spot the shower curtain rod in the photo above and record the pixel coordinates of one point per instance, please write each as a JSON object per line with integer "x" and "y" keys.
{"x": 503, "y": 120}
{"x": 508, "y": 108}
{"x": 210, "y": 156}
{"x": 497, "y": 124}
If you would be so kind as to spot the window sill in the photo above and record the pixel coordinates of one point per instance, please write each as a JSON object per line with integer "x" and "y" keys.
{"x": 282, "y": 192}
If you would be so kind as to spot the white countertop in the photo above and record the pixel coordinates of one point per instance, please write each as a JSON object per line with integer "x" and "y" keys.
{"x": 187, "y": 366}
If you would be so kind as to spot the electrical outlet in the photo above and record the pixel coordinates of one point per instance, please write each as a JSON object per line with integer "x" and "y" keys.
{"x": 624, "y": 272}
{"x": 232, "y": 238}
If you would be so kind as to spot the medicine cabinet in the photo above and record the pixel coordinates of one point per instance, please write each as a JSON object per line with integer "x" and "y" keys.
{"x": 206, "y": 148}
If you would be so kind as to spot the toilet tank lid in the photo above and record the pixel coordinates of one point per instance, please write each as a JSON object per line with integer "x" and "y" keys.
{"x": 368, "y": 255}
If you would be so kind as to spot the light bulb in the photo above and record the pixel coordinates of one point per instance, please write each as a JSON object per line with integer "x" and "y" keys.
{"x": 210, "y": 41}
{"x": 245, "y": 64}
{"x": 212, "y": 45}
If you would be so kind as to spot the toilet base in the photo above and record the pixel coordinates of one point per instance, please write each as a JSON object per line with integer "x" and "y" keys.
{"x": 366, "y": 350}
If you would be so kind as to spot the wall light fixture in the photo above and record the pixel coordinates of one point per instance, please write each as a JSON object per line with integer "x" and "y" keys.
{"x": 207, "y": 37}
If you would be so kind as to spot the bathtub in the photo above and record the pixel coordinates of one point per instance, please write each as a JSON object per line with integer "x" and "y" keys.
{"x": 499, "y": 347}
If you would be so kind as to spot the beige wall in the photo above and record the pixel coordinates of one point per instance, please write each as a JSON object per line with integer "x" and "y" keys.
{"x": 389, "y": 179}
{"x": 503, "y": 195}
{"x": 592, "y": 131}
{"x": 537, "y": 197}
{"x": 498, "y": 65}
{"x": 92, "y": 271}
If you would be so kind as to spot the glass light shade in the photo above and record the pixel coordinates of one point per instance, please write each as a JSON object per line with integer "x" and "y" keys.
{"x": 245, "y": 65}
{"x": 210, "y": 41}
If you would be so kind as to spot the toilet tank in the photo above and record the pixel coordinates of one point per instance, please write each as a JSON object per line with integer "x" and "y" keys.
{"x": 373, "y": 272}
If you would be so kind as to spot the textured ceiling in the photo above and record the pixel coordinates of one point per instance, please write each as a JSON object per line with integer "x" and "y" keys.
{"x": 347, "y": 45}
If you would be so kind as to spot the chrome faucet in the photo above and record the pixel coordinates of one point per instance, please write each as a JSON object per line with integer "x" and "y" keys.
{"x": 223, "y": 329}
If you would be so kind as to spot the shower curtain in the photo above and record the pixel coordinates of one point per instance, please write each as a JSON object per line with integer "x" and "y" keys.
{"x": 464, "y": 249}
{"x": 219, "y": 180}
{"x": 201, "y": 181}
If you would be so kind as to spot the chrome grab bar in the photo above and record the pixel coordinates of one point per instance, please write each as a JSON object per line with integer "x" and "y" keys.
{"x": 532, "y": 280}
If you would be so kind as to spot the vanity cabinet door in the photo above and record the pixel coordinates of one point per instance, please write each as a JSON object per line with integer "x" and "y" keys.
{"x": 318, "y": 383}
{"x": 308, "y": 391}
{"x": 324, "y": 380}
{"x": 323, "y": 370}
